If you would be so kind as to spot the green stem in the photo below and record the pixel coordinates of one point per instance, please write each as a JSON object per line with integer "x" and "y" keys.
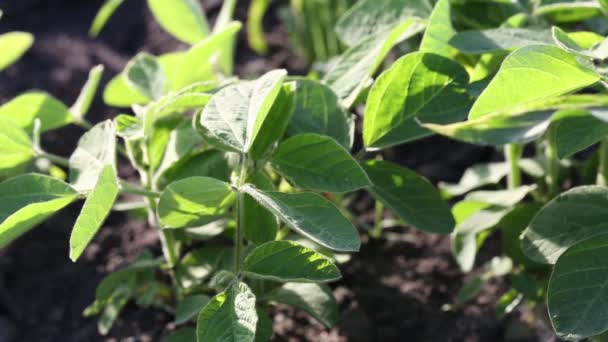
{"x": 133, "y": 189}
{"x": 602, "y": 170}
{"x": 59, "y": 160}
{"x": 553, "y": 160}
{"x": 240, "y": 218}
{"x": 513, "y": 153}
{"x": 225, "y": 15}
{"x": 376, "y": 231}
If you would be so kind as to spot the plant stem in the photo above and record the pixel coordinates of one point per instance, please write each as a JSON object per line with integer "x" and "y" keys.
{"x": 376, "y": 231}
{"x": 240, "y": 212}
{"x": 513, "y": 153}
{"x": 602, "y": 169}
{"x": 133, "y": 189}
{"x": 553, "y": 160}
{"x": 225, "y": 15}
{"x": 59, "y": 160}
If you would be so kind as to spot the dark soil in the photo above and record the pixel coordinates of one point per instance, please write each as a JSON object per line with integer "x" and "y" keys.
{"x": 393, "y": 290}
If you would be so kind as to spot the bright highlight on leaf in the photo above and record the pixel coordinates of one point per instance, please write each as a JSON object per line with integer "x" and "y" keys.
{"x": 13, "y": 45}
{"x": 267, "y": 261}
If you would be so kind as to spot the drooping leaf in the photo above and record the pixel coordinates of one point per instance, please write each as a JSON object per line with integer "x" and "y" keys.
{"x": 572, "y": 217}
{"x": 193, "y": 201}
{"x": 15, "y": 147}
{"x": 189, "y": 307}
{"x": 317, "y": 162}
{"x": 312, "y": 216}
{"x": 268, "y": 261}
{"x": 577, "y": 290}
{"x": 145, "y": 74}
{"x": 477, "y": 176}
{"x": 500, "y": 39}
{"x": 576, "y": 130}
{"x": 80, "y": 108}
{"x": 13, "y": 45}
{"x": 410, "y": 196}
{"x": 370, "y": 17}
{"x": 29, "y": 199}
{"x": 26, "y": 108}
{"x": 317, "y": 110}
{"x": 439, "y": 31}
{"x": 118, "y": 93}
{"x": 94, "y": 212}
{"x": 315, "y": 299}
{"x": 184, "y": 19}
{"x": 230, "y": 316}
{"x": 198, "y": 265}
{"x": 518, "y": 125}
{"x": 352, "y": 71}
{"x": 262, "y": 225}
{"x": 96, "y": 149}
{"x": 234, "y": 116}
{"x": 421, "y": 85}
{"x": 532, "y": 73}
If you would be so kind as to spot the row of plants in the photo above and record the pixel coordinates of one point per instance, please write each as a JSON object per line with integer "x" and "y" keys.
{"x": 249, "y": 182}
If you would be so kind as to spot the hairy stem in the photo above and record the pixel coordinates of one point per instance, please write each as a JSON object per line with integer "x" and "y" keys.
{"x": 513, "y": 153}
{"x": 240, "y": 215}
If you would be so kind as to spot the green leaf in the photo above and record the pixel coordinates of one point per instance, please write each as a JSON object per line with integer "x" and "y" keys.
{"x": 181, "y": 141}
{"x": 80, "y": 108}
{"x": 273, "y": 128}
{"x": 577, "y": 290}
{"x": 118, "y": 93}
{"x": 504, "y": 198}
{"x": 197, "y": 63}
{"x": 500, "y": 39}
{"x": 352, "y": 71}
{"x": 575, "y": 131}
{"x": 370, "y": 17}
{"x": 475, "y": 219}
{"x": 26, "y": 108}
{"x": 255, "y": 25}
{"x": 195, "y": 96}
{"x": 572, "y": 217}
{"x": 210, "y": 163}
{"x": 184, "y": 19}
{"x": 183, "y": 334}
{"x": 103, "y": 15}
{"x": 518, "y": 125}
{"x": 15, "y": 147}
{"x": 193, "y": 201}
{"x": 439, "y": 31}
{"x": 315, "y": 299}
{"x": 96, "y": 149}
{"x": 13, "y": 45}
{"x": 317, "y": 110}
{"x": 532, "y": 73}
{"x": 410, "y": 196}
{"x": 234, "y": 116}
{"x": 268, "y": 261}
{"x": 477, "y": 176}
{"x": 316, "y": 162}
{"x": 568, "y": 11}
{"x": 198, "y": 265}
{"x": 27, "y": 200}
{"x": 189, "y": 307}
{"x": 413, "y": 86}
{"x": 262, "y": 225}
{"x": 145, "y": 74}
{"x": 312, "y": 216}
{"x": 230, "y": 316}
{"x": 94, "y": 212}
